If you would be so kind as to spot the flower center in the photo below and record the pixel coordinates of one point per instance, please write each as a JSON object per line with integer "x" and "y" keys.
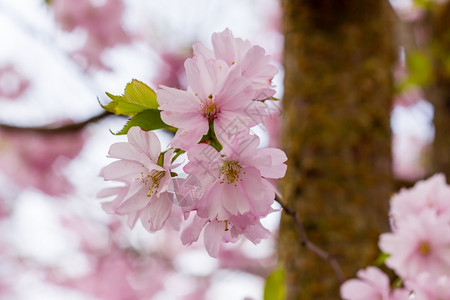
{"x": 154, "y": 177}
{"x": 209, "y": 108}
{"x": 424, "y": 248}
{"x": 230, "y": 171}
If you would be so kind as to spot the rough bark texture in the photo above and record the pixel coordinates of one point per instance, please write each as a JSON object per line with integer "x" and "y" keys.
{"x": 338, "y": 90}
{"x": 439, "y": 93}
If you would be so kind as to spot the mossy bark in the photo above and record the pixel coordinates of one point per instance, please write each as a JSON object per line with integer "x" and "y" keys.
{"x": 439, "y": 92}
{"x": 338, "y": 89}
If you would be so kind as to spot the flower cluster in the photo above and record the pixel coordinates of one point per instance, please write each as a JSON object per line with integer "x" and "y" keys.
{"x": 418, "y": 246}
{"x": 226, "y": 191}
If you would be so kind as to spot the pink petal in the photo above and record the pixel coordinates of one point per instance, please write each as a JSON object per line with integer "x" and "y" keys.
{"x": 191, "y": 233}
{"x": 124, "y": 150}
{"x": 187, "y": 137}
{"x": 201, "y": 50}
{"x": 256, "y": 232}
{"x": 132, "y": 219}
{"x": 258, "y": 190}
{"x": 234, "y": 198}
{"x": 256, "y": 64}
{"x": 214, "y": 232}
{"x": 199, "y": 77}
{"x": 134, "y": 203}
{"x": 355, "y": 289}
{"x": 224, "y": 46}
{"x": 147, "y": 141}
{"x": 172, "y": 99}
{"x": 270, "y": 162}
{"x": 210, "y": 206}
{"x": 121, "y": 170}
{"x": 155, "y": 214}
{"x": 236, "y": 93}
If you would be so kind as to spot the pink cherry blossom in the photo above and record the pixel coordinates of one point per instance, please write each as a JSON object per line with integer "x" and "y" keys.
{"x": 146, "y": 179}
{"x": 216, "y": 95}
{"x": 372, "y": 284}
{"x": 427, "y": 287}
{"x": 421, "y": 243}
{"x": 432, "y": 193}
{"x": 236, "y": 193}
{"x": 217, "y": 231}
{"x": 238, "y": 53}
{"x": 234, "y": 180}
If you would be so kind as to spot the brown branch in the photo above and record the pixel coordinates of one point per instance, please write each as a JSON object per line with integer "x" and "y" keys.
{"x": 52, "y": 129}
{"x": 305, "y": 242}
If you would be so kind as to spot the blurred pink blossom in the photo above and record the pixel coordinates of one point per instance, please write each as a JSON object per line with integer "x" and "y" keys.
{"x": 12, "y": 83}
{"x": 433, "y": 194}
{"x": 372, "y": 284}
{"x": 410, "y": 154}
{"x": 171, "y": 71}
{"x": 421, "y": 243}
{"x": 102, "y": 24}
{"x": 36, "y": 160}
{"x": 427, "y": 287}
{"x": 409, "y": 97}
{"x": 118, "y": 275}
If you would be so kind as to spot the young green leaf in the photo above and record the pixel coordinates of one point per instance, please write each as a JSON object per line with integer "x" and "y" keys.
{"x": 136, "y": 98}
{"x": 149, "y": 119}
{"x": 274, "y": 288}
{"x": 381, "y": 259}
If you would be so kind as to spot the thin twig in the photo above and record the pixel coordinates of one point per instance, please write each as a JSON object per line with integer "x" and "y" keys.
{"x": 50, "y": 129}
{"x": 305, "y": 242}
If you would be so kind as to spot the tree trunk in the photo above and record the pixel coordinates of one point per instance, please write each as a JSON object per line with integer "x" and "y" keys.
{"x": 439, "y": 93}
{"x": 337, "y": 101}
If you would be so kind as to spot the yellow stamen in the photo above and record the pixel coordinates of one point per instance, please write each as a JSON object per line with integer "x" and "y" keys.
{"x": 231, "y": 171}
{"x": 155, "y": 177}
{"x": 424, "y": 248}
{"x": 210, "y": 108}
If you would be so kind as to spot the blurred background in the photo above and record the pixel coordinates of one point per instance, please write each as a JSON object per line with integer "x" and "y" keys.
{"x": 57, "y": 59}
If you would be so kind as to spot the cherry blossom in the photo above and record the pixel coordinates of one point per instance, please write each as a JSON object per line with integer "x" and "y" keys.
{"x": 238, "y": 53}
{"x": 372, "y": 284}
{"x": 234, "y": 180}
{"x": 146, "y": 177}
{"x": 421, "y": 243}
{"x": 427, "y": 287}
{"x": 236, "y": 193}
{"x": 433, "y": 194}
{"x": 216, "y": 95}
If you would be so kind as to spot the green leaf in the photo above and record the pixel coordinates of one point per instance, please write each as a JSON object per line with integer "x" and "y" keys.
{"x": 149, "y": 119}
{"x": 136, "y": 98}
{"x": 381, "y": 259}
{"x": 274, "y": 288}
{"x": 420, "y": 70}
